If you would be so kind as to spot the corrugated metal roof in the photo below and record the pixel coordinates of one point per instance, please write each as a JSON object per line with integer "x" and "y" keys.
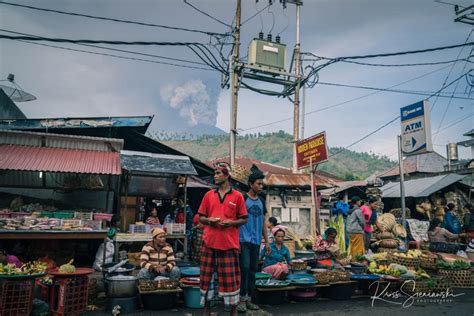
{"x": 31, "y": 158}
{"x": 421, "y": 187}
{"x": 426, "y": 163}
{"x": 60, "y": 141}
{"x": 342, "y": 186}
{"x": 142, "y": 162}
{"x": 297, "y": 180}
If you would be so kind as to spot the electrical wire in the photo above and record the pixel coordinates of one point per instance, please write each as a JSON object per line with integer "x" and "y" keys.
{"x": 452, "y": 124}
{"x": 423, "y": 93}
{"x": 121, "y": 50}
{"x": 287, "y": 22}
{"x": 393, "y": 120}
{"x": 258, "y": 12}
{"x": 273, "y": 20}
{"x": 451, "y": 70}
{"x": 348, "y": 101}
{"x": 387, "y": 65}
{"x": 207, "y": 14}
{"x": 191, "y": 45}
{"x": 112, "y": 19}
{"x": 117, "y": 56}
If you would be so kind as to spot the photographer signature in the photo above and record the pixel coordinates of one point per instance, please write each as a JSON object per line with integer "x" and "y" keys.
{"x": 383, "y": 294}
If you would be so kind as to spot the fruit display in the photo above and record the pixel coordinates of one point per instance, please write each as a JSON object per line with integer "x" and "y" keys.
{"x": 33, "y": 223}
{"x": 68, "y": 267}
{"x": 29, "y": 268}
{"x": 380, "y": 256}
{"x": 411, "y": 254}
{"x": 392, "y": 269}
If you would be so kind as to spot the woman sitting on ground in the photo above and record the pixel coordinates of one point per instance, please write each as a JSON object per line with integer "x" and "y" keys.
{"x": 276, "y": 263}
{"x": 326, "y": 249}
{"x": 438, "y": 234}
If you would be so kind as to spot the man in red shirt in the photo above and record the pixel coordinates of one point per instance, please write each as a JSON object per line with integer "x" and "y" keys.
{"x": 222, "y": 212}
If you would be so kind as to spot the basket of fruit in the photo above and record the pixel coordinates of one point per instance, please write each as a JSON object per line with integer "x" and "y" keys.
{"x": 429, "y": 261}
{"x": 458, "y": 272}
{"x": 410, "y": 259}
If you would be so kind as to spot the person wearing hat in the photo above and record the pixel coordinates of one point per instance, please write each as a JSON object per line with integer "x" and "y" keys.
{"x": 157, "y": 258}
{"x": 355, "y": 227}
{"x": 221, "y": 213}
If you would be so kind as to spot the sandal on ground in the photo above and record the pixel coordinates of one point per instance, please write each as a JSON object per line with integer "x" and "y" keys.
{"x": 252, "y": 307}
{"x": 242, "y": 307}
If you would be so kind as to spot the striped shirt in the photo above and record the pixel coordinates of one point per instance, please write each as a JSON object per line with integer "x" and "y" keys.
{"x": 151, "y": 256}
{"x": 152, "y": 220}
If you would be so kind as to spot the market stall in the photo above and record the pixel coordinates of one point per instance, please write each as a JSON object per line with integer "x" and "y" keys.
{"x": 56, "y": 187}
{"x": 157, "y": 177}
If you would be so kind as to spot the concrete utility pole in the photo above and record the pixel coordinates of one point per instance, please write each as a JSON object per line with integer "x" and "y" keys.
{"x": 402, "y": 184}
{"x": 234, "y": 83}
{"x": 296, "y": 108}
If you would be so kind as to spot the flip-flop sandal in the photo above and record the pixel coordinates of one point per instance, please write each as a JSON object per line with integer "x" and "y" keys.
{"x": 252, "y": 307}
{"x": 241, "y": 308}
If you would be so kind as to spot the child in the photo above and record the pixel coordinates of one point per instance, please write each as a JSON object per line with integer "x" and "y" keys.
{"x": 276, "y": 263}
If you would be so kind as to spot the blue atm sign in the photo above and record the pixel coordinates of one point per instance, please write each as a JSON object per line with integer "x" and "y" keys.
{"x": 416, "y": 128}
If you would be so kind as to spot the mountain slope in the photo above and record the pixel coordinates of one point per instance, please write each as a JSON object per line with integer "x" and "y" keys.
{"x": 276, "y": 148}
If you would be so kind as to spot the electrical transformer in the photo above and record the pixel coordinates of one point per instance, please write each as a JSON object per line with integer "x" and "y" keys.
{"x": 267, "y": 55}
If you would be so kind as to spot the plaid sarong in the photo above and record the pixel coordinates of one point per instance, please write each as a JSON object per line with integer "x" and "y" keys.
{"x": 221, "y": 268}
{"x": 197, "y": 244}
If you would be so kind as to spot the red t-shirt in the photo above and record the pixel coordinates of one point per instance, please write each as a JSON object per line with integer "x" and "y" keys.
{"x": 231, "y": 207}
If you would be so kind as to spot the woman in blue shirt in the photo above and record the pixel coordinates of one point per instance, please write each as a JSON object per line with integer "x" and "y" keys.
{"x": 276, "y": 262}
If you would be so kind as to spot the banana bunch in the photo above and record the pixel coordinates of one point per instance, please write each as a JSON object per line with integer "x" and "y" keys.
{"x": 384, "y": 269}
{"x": 411, "y": 254}
{"x": 380, "y": 256}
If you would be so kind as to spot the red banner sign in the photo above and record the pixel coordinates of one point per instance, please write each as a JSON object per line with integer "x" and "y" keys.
{"x": 313, "y": 148}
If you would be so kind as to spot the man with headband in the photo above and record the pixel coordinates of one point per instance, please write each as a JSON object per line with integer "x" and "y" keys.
{"x": 222, "y": 212}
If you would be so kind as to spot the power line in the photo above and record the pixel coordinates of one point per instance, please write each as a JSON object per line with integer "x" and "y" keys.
{"x": 116, "y": 56}
{"x": 450, "y": 70}
{"x": 347, "y": 101}
{"x": 120, "y": 50}
{"x": 191, "y": 45}
{"x": 112, "y": 19}
{"x": 393, "y": 120}
{"x": 258, "y": 12}
{"x": 423, "y": 93}
{"x": 207, "y": 14}
{"x": 387, "y": 65}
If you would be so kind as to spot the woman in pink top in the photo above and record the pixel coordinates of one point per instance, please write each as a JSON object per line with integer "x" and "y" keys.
{"x": 367, "y": 212}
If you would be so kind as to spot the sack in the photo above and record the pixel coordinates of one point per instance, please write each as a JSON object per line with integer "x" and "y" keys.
{"x": 340, "y": 208}
{"x": 109, "y": 255}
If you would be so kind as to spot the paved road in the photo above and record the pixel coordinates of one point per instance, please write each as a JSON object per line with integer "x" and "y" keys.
{"x": 458, "y": 306}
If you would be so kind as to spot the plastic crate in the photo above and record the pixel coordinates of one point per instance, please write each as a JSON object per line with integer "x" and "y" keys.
{"x": 137, "y": 229}
{"x": 47, "y": 214}
{"x": 150, "y": 227}
{"x": 69, "y": 296}
{"x": 16, "y": 296}
{"x": 175, "y": 229}
{"x": 19, "y": 214}
{"x": 103, "y": 216}
{"x": 63, "y": 215}
{"x": 84, "y": 215}
{"x": 94, "y": 224}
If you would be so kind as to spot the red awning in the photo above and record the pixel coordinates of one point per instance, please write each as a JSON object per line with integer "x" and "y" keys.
{"x": 47, "y": 159}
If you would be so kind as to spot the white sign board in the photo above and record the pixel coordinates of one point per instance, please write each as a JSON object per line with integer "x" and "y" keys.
{"x": 416, "y": 129}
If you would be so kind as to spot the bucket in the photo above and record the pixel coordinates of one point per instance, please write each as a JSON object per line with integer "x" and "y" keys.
{"x": 192, "y": 296}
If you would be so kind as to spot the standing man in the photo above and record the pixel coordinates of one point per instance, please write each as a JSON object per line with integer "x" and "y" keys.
{"x": 222, "y": 212}
{"x": 251, "y": 239}
{"x": 369, "y": 219}
{"x": 355, "y": 227}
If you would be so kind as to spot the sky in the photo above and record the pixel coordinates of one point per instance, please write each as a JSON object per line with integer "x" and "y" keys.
{"x": 74, "y": 84}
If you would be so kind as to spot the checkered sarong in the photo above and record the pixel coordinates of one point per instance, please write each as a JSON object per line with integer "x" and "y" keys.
{"x": 221, "y": 268}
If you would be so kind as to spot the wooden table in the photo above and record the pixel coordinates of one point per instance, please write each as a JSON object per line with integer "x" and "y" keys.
{"x": 52, "y": 234}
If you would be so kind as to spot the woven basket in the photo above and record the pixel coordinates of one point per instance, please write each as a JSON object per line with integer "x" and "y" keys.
{"x": 151, "y": 286}
{"x": 384, "y": 235}
{"x": 338, "y": 276}
{"x": 134, "y": 258}
{"x": 389, "y": 243}
{"x": 291, "y": 246}
{"x": 383, "y": 262}
{"x": 428, "y": 263}
{"x": 323, "y": 277}
{"x": 388, "y": 250}
{"x": 407, "y": 262}
{"x": 459, "y": 278}
{"x": 298, "y": 266}
{"x": 434, "y": 285}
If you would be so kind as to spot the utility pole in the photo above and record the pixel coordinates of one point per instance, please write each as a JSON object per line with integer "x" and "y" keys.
{"x": 234, "y": 83}
{"x": 296, "y": 108}
{"x": 402, "y": 184}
